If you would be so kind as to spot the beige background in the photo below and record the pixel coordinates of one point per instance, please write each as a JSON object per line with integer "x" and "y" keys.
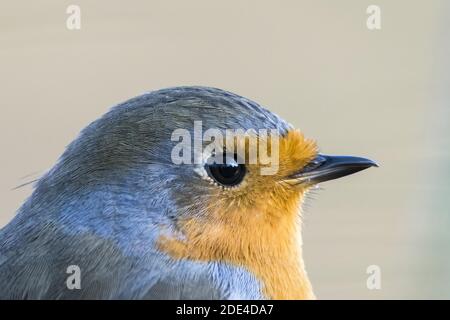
{"x": 382, "y": 94}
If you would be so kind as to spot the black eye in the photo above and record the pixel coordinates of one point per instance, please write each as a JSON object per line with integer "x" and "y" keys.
{"x": 228, "y": 174}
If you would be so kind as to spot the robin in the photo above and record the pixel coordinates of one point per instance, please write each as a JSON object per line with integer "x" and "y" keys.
{"x": 118, "y": 218}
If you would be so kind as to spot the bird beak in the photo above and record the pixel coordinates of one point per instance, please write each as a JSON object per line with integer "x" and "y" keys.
{"x": 324, "y": 168}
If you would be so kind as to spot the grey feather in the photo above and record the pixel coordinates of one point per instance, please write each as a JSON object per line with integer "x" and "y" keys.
{"x": 102, "y": 206}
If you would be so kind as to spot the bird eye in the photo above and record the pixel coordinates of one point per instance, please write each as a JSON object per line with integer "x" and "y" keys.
{"x": 228, "y": 173}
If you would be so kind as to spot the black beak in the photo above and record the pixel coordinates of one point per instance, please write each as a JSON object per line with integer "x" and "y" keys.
{"x": 324, "y": 168}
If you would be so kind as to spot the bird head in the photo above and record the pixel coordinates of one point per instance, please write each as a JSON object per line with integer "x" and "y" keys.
{"x": 203, "y": 210}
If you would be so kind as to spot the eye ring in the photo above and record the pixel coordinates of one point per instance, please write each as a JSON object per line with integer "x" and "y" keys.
{"x": 229, "y": 173}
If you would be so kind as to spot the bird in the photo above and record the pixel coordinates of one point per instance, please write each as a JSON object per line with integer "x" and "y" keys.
{"x": 136, "y": 225}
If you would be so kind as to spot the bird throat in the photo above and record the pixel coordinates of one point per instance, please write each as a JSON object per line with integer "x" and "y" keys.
{"x": 263, "y": 242}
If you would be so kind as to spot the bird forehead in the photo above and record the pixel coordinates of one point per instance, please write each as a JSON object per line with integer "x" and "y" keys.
{"x": 179, "y": 107}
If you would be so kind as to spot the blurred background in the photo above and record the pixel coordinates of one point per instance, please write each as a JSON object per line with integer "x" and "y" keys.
{"x": 382, "y": 93}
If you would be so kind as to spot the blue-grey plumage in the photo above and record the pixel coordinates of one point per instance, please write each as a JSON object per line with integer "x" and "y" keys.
{"x": 101, "y": 205}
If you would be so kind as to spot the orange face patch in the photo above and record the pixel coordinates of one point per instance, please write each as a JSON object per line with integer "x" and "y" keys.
{"x": 255, "y": 225}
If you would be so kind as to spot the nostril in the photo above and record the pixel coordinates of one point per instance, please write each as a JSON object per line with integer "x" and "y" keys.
{"x": 314, "y": 164}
